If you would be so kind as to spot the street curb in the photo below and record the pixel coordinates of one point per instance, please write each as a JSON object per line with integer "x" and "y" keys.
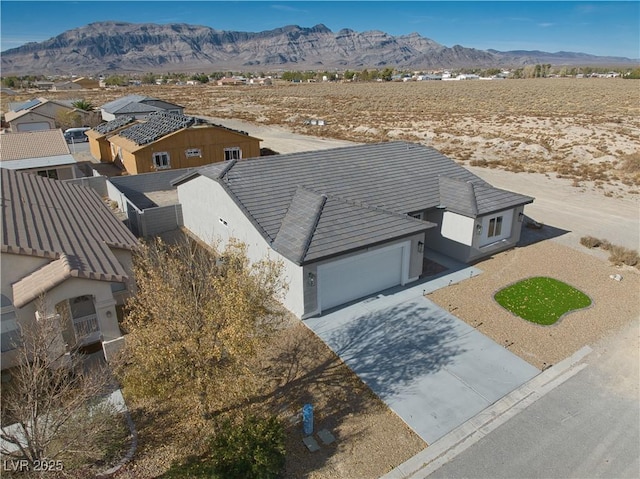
{"x": 467, "y": 434}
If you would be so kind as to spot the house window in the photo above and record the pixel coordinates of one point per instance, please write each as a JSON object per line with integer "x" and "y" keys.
{"x": 117, "y": 287}
{"x": 10, "y": 333}
{"x": 234, "y": 153}
{"x": 495, "y": 227}
{"x": 161, "y": 160}
{"x": 53, "y": 174}
{"x": 193, "y": 153}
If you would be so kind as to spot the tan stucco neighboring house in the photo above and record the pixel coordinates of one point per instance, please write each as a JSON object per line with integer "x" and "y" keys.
{"x": 168, "y": 141}
{"x": 64, "y": 256}
{"x": 44, "y": 153}
{"x": 87, "y": 83}
{"x": 82, "y": 83}
{"x": 65, "y": 86}
{"x": 42, "y": 114}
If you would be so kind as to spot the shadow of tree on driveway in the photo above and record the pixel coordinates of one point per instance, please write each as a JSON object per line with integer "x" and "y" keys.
{"x": 390, "y": 348}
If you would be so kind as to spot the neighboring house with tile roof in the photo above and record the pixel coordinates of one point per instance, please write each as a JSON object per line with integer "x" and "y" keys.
{"x": 164, "y": 141}
{"x": 137, "y": 106}
{"x": 45, "y": 153}
{"x": 61, "y": 243}
{"x": 350, "y": 222}
{"x": 42, "y": 114}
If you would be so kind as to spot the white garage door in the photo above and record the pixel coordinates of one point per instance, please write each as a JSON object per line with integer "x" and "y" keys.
{"x": 38, "y": 126}
{"x": 360, "y": 275}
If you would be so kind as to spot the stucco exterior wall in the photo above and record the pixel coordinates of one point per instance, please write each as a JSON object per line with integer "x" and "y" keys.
{"x": 30, "y": 117}
{"x": 457, "y": 228}
{"x": 207, "y": 207}
{"x": 452, "y": 227}
{"x": 15, "y": 267}
{"x": 484, "y": 247}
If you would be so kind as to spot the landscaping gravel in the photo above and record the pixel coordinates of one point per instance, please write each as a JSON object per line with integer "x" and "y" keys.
{"x": 615, "y": 303}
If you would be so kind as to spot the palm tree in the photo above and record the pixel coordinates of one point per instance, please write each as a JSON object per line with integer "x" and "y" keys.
{"x": 83, "y": 105}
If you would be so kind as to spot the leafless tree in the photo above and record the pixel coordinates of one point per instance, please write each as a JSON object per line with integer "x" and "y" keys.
{"x": 53, "y": 407}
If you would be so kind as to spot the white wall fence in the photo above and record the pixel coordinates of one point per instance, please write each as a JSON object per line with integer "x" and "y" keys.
{"x": 142, "y": 222}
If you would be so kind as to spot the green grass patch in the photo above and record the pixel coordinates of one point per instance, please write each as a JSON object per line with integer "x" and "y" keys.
{"x": 541, "y": 300}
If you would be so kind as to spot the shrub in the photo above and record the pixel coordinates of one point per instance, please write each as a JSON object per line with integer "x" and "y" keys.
{"x": 249, "y": 449}
{"x": 620, "y": 255}
{"x": 253, "y": 449}
{"x": 590, "y": 241}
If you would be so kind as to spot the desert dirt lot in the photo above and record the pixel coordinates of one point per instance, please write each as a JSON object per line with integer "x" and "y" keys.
{"x": 587, "y": 130}
{"x": 572, "y": 144}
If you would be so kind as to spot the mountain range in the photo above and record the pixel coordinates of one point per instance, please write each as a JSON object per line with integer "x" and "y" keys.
{"x": 119, "y": 47}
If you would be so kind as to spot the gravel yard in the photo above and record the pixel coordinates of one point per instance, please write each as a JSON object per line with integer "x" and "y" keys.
{"x": 615, "y": 303}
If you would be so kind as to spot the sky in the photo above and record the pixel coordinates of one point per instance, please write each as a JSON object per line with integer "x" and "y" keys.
{"x": 608, "y": 28}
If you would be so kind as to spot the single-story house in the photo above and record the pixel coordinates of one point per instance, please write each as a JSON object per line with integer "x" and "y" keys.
{"x": 86, "y": 83}
{"x": 66, "y": 86}
{"x": 168, "y": 141}
{"x": 64, "y": 255}
{"x": 44, "y": 153}
{"x": 137, "y": 106}
{"x": 42, "y": 114}
{"x": 351, "y": 221}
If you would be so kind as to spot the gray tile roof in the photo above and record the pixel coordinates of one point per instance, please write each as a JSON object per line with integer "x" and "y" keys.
{"x": 368, "y": 187}
{"x": 473, "y": 198}
{"x": 115, "y": 105}
{"x": 137, "y": 104}
{"x": 66, "y": 223}
{"x": 155, "y": 127}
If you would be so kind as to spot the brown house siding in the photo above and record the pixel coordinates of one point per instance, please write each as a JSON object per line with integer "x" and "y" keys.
{"x": 210, "y": 140}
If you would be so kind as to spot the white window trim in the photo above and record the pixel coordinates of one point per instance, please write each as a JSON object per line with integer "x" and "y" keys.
{"x": 160, "y": 154}
{"x": 495, "y": 227}
{"x": 193, "y": 153}
{"x": 233, "y": 150}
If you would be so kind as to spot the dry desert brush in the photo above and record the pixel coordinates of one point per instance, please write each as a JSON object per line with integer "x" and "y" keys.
{"x": 618, "y": 255}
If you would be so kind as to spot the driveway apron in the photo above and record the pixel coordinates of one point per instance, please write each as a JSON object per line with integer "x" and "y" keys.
{"x": 432, "y": 369}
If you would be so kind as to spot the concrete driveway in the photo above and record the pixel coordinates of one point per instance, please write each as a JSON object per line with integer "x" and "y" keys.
{"x": 432, "y": 369}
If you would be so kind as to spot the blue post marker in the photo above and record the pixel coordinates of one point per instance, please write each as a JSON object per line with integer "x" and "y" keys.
{"x": 307, "y": 419}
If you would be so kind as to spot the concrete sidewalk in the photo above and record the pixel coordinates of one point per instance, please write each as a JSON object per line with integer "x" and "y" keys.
{"x": 469, "y": 433}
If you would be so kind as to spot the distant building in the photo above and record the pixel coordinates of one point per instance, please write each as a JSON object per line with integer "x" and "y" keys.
{"x": 44, "y": 153}
{"x": 168, "y": 141}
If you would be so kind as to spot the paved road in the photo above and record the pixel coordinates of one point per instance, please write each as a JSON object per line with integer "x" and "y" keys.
{"x": 588, "y": 427}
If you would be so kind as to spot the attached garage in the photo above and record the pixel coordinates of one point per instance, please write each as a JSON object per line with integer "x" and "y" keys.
{"x": 360, "y": 275}
{"x": 36, "y": 126}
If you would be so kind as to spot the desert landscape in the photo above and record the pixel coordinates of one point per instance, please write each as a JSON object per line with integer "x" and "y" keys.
{"x": 573, "y": 144}
{"x": 586, "y": 130}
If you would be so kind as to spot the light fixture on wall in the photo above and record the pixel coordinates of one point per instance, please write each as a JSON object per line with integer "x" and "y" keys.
{"x": 109, "y": 314}
{"x": 478, "y": 229}
{"x": 420, "y": 246}
{"x": 311, "y": 279}
{"x": 520, "y": 217}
